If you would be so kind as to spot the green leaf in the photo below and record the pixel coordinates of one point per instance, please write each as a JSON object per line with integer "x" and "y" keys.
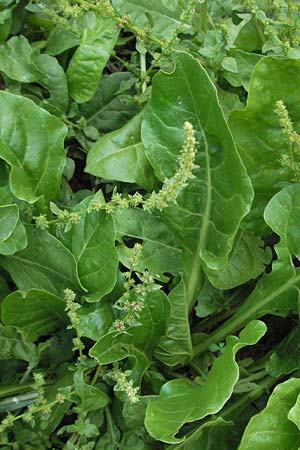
{"x": 251, "y": 36}
{"x": 160, "y": 252}
{"x": 180, "y": 402}
{"x": 247, "y": 261}
{"x": 5, "y": 23}
{"x": 106, "y": 111}
{"x": 120, "y": 155}
{"x": 282, "y": 214}
{"x": 139, "y": 341}
{"x": 9, "y": 216}
{"x": 86, "y": 66}
{"x": 19, "y": 62}
{"x": 245, "y": 65}
{"x": 44, "y": 264}
{"x": 285, "y": 357}
{"x": 16, "y": 242}
{"x": 95, "y": 319}
{"x": 92, "y": 243}
{"x": 141, "y": 12}
{"x": 258, "y": 134}
{"x": 91, "y": 397}
{"x": 205, "y": 233}
{"x": 273, "y": 427}
{"x": 32, "y": 147}
{"x": 13, "y": 344}
{"x": 36, "y": 312}
{"x": 175, "y": 347}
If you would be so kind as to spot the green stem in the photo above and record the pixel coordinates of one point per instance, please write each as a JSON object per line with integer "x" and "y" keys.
{"x": 109, "y": 422}
{"x": 143, "y": 70}
{"x": 203, "y": 15}
{"x": 126, "y": 64}
{"x": 96, "y": 375}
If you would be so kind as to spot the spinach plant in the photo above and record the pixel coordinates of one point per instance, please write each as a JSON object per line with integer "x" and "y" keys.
{"x": 149, "y": 238}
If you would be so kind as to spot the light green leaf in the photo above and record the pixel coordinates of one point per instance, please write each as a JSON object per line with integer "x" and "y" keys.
{"x": 210, "y": 209}
{"x": 282, "y": 214}
{"x": 273, "y": 428}
{"x": 5, "y": 23}
{"x": 36, "y": 312}
{"x": 9, "y": 216}
{"x": 120, "y": 155}
{"x": 95, "y": 319}
{"x": 164, "y": 20}
{"x": 31, "y": 142}
{"x": 86, "y": 66}
{"x": 247, "y": 261}
{"x": 44, "y": 264}
{"x": 258, "y": 134}
{"x": 16, "y": 242}
{"x": 180, "y": 402}
{"x": 92, "y": 243}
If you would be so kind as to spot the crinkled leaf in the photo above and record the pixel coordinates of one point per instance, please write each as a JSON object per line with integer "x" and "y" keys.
{"x": 205, "y": 232}
{"x": 273, "y": 428}
{"x": 31, "y": 142}
{"x": 36, "y": 312}
{"x": 180, "y": 402}
{"x": 86, "y": 66}
{"x": 44, "y": 264}
{"x": 258, "y": 134}
{"x": 120, "y": 156}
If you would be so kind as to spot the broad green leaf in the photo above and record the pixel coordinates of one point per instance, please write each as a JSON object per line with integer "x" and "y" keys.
{"x": 258, "y": 134}
{"x": 86, "y": 66}
{"x": 91, "y": 397}
{"x": 163, "y": 21}
{"x": 209, "y": 211}
{"x": 160, "y": 252}
{"x": 175, "y": 347}
{"x": 13, "y": 344}
{"x": 180, "y": 402}
{"x": 285, "y": 357}
{"x": 44, "y": 264}
{"x": 16, "y": 60}
{"x": 251, "y": 36}
{"x": 36, "y": 312}
{"x": 13, "y": 234}
{"x": 31, "y": 142}
{"x": 247, "y": 261}
{"x": 106, "y": 111}
{"x": 273, "y": 428}
{"x": 120, "y": 156}
{"x": 92, "y": 243}
{"x": 19, "y": 62}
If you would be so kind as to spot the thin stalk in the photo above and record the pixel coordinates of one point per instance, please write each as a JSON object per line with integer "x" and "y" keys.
{"x": 143, "y": 70}
{"x": 203, "y": 15}
{"x": 109, "y": 422}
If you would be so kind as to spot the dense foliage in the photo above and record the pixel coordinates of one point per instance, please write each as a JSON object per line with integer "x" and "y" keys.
{"x": 149, "y": 224}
